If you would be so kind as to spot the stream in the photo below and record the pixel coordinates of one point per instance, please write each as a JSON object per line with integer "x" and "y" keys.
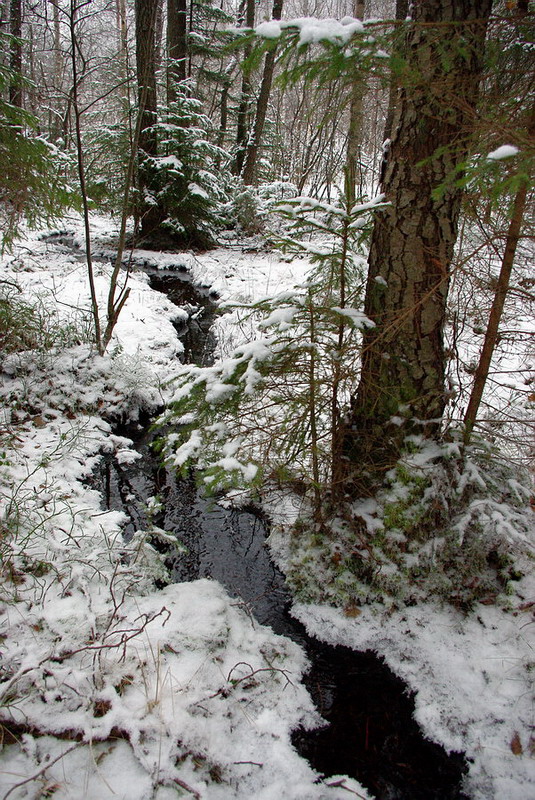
{"x": 371, "y": 734}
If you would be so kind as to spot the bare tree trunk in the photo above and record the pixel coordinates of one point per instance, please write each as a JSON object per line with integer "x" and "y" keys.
{"x": 402, "y": 9}
{"x": 177, "y": 49}
{"x": 249, "y": 168}
{"x": 223, "y": 116}
{"x": 122, "y": 49}
{"x": 15, "y": 53}
{"x": 312, "y": 378}
{"x": 354, "y": 135}
{"x": 146, "y": 72}
{"x": 32, "y": 92}
{"x": 116, "y": 303}
{"x": 401, "y": 390}
{"x": 158, "y": 35}
{"x": 491, "y": 334}
{"x": 242, "y": 128}
{"x": 76, "y": 80}
{"x": 56, "y": 124}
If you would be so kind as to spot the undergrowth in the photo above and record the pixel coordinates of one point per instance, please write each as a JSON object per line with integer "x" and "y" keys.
{"x": 35, "y": 325}
{"x": 448, "y": 524}
{"x": 273, "y": 410}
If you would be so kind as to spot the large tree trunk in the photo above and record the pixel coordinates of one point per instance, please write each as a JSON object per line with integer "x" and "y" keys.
{"x": 249, "y": 168}
{"x": 402, "y": 389}
{"x": 146, "y": 12}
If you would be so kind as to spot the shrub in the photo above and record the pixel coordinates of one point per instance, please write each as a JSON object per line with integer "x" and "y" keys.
{"x": 32, "y": 180}
{"x": 34, "y": 325}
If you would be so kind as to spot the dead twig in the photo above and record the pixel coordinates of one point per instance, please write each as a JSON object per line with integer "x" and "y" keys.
{"x": 254, "y": 672}
{"x": 41, "y": 771}
{"x": 187, "y": 788}
{"x": 341, "y": 785}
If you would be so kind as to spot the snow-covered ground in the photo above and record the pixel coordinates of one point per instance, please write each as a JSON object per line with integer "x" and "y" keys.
{"x": 114, "y": 689}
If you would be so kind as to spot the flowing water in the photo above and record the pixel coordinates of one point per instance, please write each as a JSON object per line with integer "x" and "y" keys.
{"x": 371, "y": 735}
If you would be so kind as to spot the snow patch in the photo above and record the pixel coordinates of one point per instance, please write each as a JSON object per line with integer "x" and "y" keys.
{"x": 505, "y": 151}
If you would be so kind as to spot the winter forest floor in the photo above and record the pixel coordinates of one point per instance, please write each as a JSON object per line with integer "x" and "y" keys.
{"x": 112, "y": 688}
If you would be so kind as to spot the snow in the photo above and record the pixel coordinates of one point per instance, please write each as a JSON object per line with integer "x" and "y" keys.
{"x": 169, "y": 161}
{"x": 468, "y": 675}
{"x": 280, "y": 317}
{"x": 269, "y": 30}
{"x": 505, "y": 151}
{"x": 125, "y": 691}
{"x": 122, "y": 690}
{"x": 194, "y": 188}
{"x": 357, "y": 317}
{"x": 186, "y": 450}
{"x": 312, "y": 29}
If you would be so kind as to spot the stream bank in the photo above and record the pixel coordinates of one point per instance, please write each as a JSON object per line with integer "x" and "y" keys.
{"x": 371, "y": 734}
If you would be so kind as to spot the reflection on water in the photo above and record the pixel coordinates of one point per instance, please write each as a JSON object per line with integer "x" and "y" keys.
{"x": 371, "y": 734}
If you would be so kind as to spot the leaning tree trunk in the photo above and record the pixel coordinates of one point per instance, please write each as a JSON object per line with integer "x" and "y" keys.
{"x": 354, "y": 134}
{"x": 502, "y": 287}
{"x": 402, "y": 390}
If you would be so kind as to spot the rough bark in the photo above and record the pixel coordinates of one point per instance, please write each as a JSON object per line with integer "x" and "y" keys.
{"x": 249, "y": 168}
{"x": 401, "y": 390}
{"x": 402, "y": 9}
{"x": 146, "y": 11}
{"x": 158, "y": 35}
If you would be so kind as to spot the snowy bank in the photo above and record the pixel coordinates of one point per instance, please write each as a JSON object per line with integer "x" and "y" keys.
{"x": 111, "y": 688}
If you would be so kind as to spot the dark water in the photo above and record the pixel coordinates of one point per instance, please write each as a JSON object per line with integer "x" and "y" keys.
{"x": 371, "y": 735}
{"x": 195, "y": 334}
